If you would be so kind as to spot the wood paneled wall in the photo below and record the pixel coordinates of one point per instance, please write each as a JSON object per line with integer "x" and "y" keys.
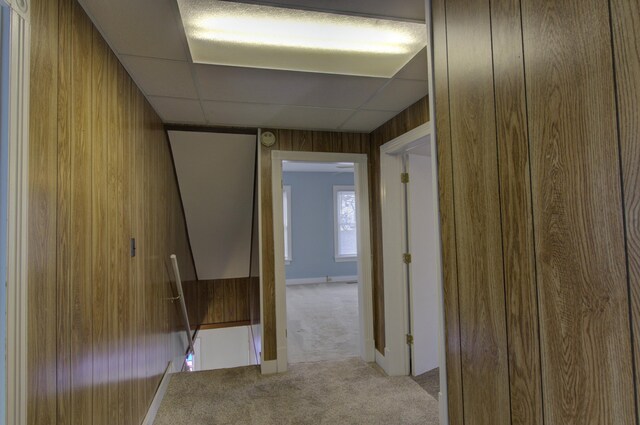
{"x": 102, "y": 329}
{"x": 412, "y": 117}
{"x": 290, "y": 140}
{"x": 223, "y": 302}
{"x": 537, "y": 125}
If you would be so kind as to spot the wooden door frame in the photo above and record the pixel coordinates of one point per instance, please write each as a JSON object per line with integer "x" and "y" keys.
{"x": 365, "y": 286}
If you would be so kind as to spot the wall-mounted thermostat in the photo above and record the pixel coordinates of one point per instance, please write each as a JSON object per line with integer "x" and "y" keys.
{"x": 268, "y": 139}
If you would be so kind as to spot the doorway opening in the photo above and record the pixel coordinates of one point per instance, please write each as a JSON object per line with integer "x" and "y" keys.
{"x": 414, "y": 305}
{"x": 323, "y": 264}
{"x": 321, "y": 260}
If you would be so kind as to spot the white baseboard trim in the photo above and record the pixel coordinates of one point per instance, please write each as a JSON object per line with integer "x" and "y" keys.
{"x": 322, "y": 279}
{"x": 269, "y": 367}
{"x": 381, "y": 361}
{"x": 162, "y": 389}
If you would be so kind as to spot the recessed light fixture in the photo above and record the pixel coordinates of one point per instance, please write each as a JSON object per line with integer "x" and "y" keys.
{"x": 257, "y": 36}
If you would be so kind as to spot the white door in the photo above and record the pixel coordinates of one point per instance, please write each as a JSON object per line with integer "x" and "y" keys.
{"x": 422, "y": 270}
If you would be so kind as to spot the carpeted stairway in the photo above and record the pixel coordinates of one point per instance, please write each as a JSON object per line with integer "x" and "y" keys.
{"x": 337, "y": 392}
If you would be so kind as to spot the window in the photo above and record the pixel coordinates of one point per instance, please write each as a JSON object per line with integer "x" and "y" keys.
{"x": 345, "y": 236}
{"x": 286, "y": 215}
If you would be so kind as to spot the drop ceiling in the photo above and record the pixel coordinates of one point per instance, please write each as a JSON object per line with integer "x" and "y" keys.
{"x": 149, "y": 39}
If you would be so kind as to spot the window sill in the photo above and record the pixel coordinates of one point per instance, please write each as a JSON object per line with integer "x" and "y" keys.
{"x": 345, "y": 259}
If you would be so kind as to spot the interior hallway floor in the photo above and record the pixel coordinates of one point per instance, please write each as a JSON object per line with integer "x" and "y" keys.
{"x": 322, "y": 322}
{"x": 337, "y": 392}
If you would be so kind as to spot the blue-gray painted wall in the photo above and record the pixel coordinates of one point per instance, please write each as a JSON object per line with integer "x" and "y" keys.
{"x": 312, "y": 246}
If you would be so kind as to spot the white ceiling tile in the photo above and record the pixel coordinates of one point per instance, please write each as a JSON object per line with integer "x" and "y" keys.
{"x": 367, "y": 121}
{"x": 406, "y": 9}
{"x": 398, "y": 95}
{"x": 239, "y": 114}
{"x": 309, "y": 118}
{"x": 281, "y": 116}
{"x": 142, "y": 27}
{"x": 416, "y": 69}
{"x": 159, "y": 77}
{"x": 284, "y": 87}
{"x": 174, "y": 110}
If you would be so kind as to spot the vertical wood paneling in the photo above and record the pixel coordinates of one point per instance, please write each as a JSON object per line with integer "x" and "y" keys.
{"x": 626, "y": 42}
{"x": 43, "y": 237}
{"x": 80, "y": 236}
{"x": 101, "y": 327}
{"x": 580, "y": 257}
{"x": 483, "y": 337}
{"x": 269, "y": 344}
{"x": 63, "y": 215}
{"x": 517, "y": 220}
{"x": 293, "y": 140}
{"x": 100, "y": 246}
{"x": 447, "y": 214}
{"x": 113, "y": 215}
{"x": 218, "y": 302}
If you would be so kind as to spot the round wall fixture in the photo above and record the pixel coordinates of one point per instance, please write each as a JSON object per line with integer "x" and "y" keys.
{"x": 268, "y": 139}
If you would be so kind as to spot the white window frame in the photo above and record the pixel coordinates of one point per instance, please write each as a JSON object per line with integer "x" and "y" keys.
{"x": 286, "y": 194}
{"x": 341, "y": 258}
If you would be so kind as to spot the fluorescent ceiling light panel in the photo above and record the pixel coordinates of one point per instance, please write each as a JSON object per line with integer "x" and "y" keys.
{"x": 256, "y": 36}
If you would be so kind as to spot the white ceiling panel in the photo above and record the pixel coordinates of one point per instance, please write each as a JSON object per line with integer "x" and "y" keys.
{"x": 148, "y": 28}
{"x": 300, "y": 117}
{"x": 284, "y": 87}
{"x": 174, "y": 110}
{"x": 159, "y": 77}
{"x": 416, "y": 69}
{"x": 240, "y": 114}
{"x": 148, "y": 38}
{"x": 405, "y": 9}
{"x": 367, "y": 121}
{"x": 215, "y": 174}
{"x": 398, "y": 95}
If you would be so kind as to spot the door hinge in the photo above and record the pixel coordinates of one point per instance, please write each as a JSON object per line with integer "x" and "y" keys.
{"x": 409, "y": 339}
{"x": 406, "y": 258}
{"x": 404, "y": 178}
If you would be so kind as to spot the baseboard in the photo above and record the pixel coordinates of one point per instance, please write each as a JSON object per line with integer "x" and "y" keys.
{"x": 322, "y": 279}
{"x": 162, "y": 389}
{"x": 269, "y": 367}
{"x": 381, "y": 361}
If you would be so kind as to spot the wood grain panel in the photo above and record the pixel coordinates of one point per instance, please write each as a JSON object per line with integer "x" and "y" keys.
{"x": 80, "y": 237}
{"x": 517, "y": 221}
{"x": 625, "y": 19}
{"x": 580, "y": 257}
{"x": 63, "y": 213}
{"x": 99, "y": 207}
{"x": 412, "y": 117}
{"x": 483, "y": 336}
{"x": 113, "y": 215}
{"x": 217, "y": 302}
{"x": 447, "y": 214}
{"x": 290, "y": 140}
{"x": 102, "y": 328}
{"x": 43, "y": 237}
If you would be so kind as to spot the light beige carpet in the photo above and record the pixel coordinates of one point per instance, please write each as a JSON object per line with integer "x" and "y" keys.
{"x": 322, "y": 322}
{"x": 337, "y": 392}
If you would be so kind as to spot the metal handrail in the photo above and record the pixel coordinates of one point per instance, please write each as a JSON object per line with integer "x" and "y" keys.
{"x": 183, "y": 306}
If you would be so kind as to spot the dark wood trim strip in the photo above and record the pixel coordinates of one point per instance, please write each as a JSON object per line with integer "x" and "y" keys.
{"x": 210, "y": 129}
